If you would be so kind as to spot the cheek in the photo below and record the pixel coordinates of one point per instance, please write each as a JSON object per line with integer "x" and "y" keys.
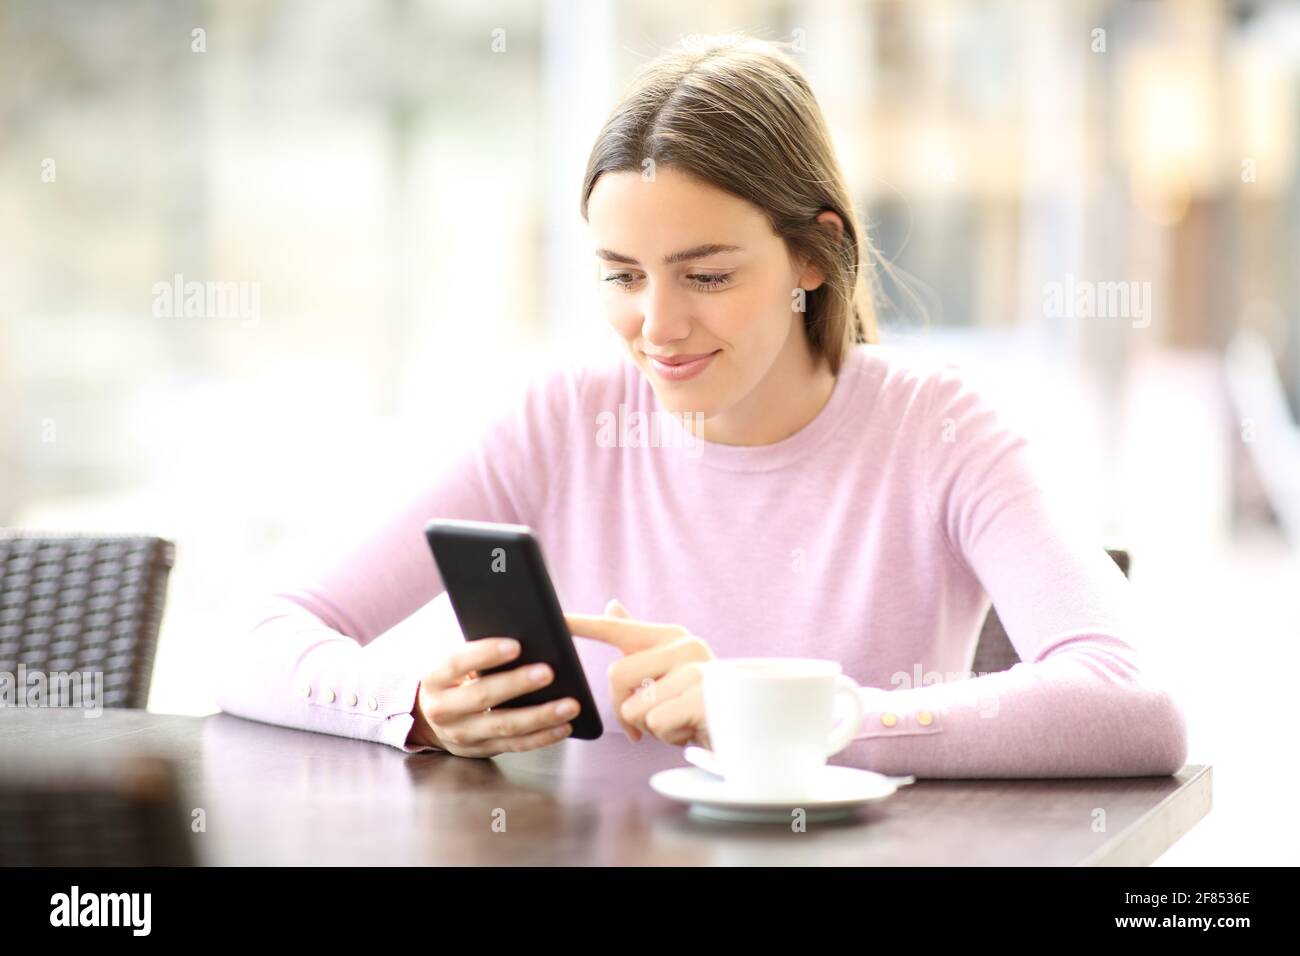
{"x": 781, "y": 299}
{"x": 747, "y": 309}
{"x": 725, "y": 314}
{"x": 622, "y": 314}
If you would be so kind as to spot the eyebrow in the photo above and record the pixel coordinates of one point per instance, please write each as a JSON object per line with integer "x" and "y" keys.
{"x": 696, "y": 252}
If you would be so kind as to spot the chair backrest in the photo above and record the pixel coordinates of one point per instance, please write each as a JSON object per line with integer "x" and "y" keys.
{"x": 75, "y": 604}
{"x": 1259, "y": 398}
{"x": 73, "y": 808}
{"x": 994, "y": 651}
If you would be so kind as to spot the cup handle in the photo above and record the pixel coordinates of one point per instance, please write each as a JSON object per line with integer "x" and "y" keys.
{"x": 846, "y": 732}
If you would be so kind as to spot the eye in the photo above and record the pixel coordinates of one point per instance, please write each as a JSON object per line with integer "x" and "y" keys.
{"x": 702, "y": 281}
{"x": 708, "y": 282}
{"x": 619, "y": 279}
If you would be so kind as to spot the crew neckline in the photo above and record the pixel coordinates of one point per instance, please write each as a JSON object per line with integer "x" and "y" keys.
{"x": 777, "y": 454}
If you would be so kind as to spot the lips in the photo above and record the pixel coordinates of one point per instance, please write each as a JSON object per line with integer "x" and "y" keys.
{"x": 679, "y": 368}
{"x": 678, "y": 359}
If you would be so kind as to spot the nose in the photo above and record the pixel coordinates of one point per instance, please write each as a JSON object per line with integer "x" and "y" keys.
{"x": 664, "y": 314}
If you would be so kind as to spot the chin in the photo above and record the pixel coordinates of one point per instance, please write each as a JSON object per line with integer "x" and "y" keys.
{"x": 683, "y": 402}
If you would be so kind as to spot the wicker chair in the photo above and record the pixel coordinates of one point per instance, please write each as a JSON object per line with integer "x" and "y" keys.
{"x": 994, "y": 651}
{"x": 92, "y": 808}
{"x": 74, "y": 603}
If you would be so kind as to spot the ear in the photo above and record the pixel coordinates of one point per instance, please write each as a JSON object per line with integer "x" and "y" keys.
{"x": 812, "y": 277}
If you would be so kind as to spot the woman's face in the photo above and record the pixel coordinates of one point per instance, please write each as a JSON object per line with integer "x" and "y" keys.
{"x": 690, "y": 270}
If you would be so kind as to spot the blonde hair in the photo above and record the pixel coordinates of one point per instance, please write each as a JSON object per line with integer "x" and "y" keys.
{"x": 738, "y": 113}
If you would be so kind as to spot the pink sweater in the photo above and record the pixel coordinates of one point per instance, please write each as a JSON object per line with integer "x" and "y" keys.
{"x": 875, "y": 536}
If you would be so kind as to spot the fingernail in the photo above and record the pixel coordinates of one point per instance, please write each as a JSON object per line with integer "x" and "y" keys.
{"x": 565, "y": 709}
{"x": 507, "y": 646}
{"x": 538, "y": 673}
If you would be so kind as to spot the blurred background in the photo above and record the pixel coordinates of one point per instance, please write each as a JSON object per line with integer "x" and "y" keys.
{"x": 1095, "y": 206}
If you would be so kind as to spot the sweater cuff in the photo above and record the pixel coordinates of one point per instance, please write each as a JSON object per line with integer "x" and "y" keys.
{"x": 887, "y": 713}
{"x": 367, "y": 702}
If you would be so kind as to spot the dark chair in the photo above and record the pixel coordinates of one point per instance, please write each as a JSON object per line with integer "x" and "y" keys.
{"x": 92, "y": 809}
{"x": 994, "y": 651}
{"x": 77, "y": 604}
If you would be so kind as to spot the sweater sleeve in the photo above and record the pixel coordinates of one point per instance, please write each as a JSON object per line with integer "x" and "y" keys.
{"x": 1080, "y": 702}
{"x": 308, "y": 657}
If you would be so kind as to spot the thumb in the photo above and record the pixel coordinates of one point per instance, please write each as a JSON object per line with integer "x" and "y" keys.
{"x": 615, "y": 609}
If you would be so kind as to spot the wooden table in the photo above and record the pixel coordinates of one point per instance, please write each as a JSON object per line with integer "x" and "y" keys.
{"x": 272, "y": 795}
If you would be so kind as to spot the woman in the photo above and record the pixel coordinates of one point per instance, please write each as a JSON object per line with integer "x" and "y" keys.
{"x": 816, "y": 495}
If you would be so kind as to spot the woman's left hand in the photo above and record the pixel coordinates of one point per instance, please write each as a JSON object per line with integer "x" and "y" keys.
{"x": 656, "y": 687}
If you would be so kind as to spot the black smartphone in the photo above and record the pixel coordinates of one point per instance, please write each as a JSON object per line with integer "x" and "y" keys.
{"x": 498, "y": 585}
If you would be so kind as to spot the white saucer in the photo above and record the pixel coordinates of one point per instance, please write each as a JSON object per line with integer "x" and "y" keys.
{"x": 836, "y": 793}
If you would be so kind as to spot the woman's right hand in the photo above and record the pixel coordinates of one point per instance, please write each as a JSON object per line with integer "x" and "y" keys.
{"x": 453, "y": 710}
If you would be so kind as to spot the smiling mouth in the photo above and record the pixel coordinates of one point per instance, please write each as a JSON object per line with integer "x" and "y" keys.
{"x": 681, "y": 367}
{"x": 679, "y": 359}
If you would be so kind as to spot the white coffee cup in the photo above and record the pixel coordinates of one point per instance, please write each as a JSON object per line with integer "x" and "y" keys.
{"x": 772, "y": 722}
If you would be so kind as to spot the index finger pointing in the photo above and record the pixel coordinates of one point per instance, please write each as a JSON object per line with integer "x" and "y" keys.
{"x": 627, "y": 634}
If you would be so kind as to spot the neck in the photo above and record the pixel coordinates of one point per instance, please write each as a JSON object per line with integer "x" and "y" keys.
{"x": 795, "y": 389}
